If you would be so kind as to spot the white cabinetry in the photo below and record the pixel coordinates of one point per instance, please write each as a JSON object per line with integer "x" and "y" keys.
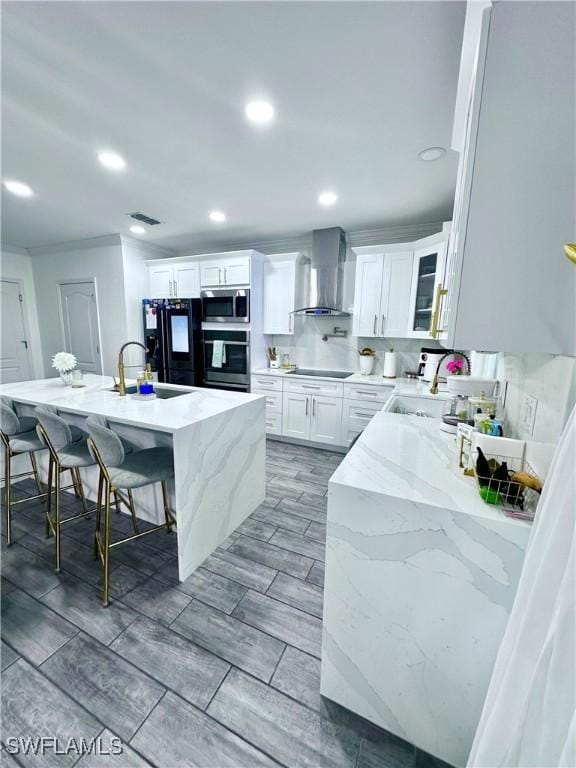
{"x": 368, "y": 294}
{"x": 326, "y": 419}
{"x": 323, "y": 411}
{"x": 312, "y": 417}
{"x": 393, "y": 297}
{"x": 174, "y": 280}
{"x": 396, "y": 285}
{"x": 427, "y": 290}
{"x": 219, "y": 272}
{"x": 510, "y": 287}
{"x": 279, "y": 295}
{"x": 160, "y": 279}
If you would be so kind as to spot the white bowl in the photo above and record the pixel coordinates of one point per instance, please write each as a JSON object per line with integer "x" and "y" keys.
{"x": 471, "y": 386}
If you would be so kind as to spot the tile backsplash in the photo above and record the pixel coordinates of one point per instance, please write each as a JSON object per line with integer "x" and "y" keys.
{"x": 307, "y": 349}
{"x": 551, "y": 379}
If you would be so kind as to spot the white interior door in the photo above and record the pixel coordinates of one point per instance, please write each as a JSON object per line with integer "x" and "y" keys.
{"x": 80, "y": 324}
{"x": 14, "y": 352}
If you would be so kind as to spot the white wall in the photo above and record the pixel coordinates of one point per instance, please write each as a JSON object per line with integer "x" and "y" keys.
{"x": 134, "y": 254}
{"x": 16, "y": 264}
{"x": 99, "y": 258}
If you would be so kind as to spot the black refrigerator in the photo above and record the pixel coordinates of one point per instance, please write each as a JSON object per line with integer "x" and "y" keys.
{"x": 172, "y": 335}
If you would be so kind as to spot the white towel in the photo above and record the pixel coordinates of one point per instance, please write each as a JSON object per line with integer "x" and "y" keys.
{"x": 218, "y": 354}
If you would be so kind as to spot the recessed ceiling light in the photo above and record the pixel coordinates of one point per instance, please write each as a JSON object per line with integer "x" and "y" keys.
{"x": 19, "y": 188}
{"x": 137, "y": 230}
{"x": 259, "y": 112}
{"x": 327, "y": 198}
{"x": 431, "y": 154}
{"x": 112, "y": 161}
{"x": 218, "y": 216}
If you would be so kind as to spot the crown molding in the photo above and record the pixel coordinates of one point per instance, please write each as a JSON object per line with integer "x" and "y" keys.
{"x": 76, "y": 245}
{"x": 14, "y": 249}
{"x": 151, "y": 250}
{"x": 303, "y": 243}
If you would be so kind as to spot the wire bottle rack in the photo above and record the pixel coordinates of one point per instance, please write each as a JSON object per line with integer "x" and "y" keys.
{"x": 514, "y": 498}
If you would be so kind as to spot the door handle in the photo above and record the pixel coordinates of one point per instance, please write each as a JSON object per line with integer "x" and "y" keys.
{"x": 375, "y": 324}
{"x": 307, "y": 399}
{"x": 25, "y": 343}
{"x": 219, "y": 276}
{"x": 313, "y": 406}
{"x": 382, "y": 326}
{"x": 225, "y": 278}
{"x": 290, "y": 322}
{"x": 170, "y": 287}
{"x": 175, "y": 288}
{"x": 440, "y": 292}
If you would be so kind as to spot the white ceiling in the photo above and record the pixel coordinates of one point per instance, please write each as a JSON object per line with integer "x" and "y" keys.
{"x": 359, "y": 89}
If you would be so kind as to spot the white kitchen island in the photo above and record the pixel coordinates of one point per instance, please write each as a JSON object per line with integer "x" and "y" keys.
{"x": 420, "y": 579}
{"x": 219, "y": 445}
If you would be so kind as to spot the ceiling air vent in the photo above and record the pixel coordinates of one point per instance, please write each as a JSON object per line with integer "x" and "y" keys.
{"x": 143, "y": 218}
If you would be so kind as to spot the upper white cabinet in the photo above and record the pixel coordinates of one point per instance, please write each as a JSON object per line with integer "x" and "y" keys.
{"x": 187, "y": 280}
{"x": 396, "y": 285}
{"x": 160, "y": 277}
{"x": 398, "y": 288}
{"x": 509, "y": 285}
{"x": 219, "y": 272}
{"x": 427, "y": 290}
{"x": 382, "y": 292}
{"x": 279, "y": 295}
{"x": 368, "y": 294}
{"x": 173, "y": 280}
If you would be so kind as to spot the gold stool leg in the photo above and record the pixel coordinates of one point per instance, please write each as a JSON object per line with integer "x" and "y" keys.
{"x": 49, "y": 497}
{"x": 133, "y": 511}
{"x": 80, "y": 489}
{"x": 57, "y": 520}
{"x": 35, "y": 470}
{"x": 106, "y": 598}
{"x": 166, "y": 506}
{"x": 74, "y": 482}
{"x": 8, "y": 494}
{"x": 98, "y": 511}
{"x": 117, "y": 502}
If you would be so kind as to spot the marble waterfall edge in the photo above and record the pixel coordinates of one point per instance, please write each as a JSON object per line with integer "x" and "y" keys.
{"x": 417, "y": 595}
{"x": 219, "y": 479}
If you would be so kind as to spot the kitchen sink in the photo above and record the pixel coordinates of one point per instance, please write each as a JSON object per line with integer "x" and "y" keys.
{"x": 161, "y": 394}
{"x": 322, "y": 374}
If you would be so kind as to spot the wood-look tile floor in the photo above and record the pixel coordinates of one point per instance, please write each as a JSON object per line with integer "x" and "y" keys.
{"x": 220, "y": 671}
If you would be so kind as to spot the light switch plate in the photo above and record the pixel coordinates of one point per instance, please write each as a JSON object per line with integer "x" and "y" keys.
{"x": 528, "y": 414}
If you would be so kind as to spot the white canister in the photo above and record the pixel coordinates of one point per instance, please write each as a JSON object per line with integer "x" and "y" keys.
{"x": 390, "y": 365}
{"x": 366, "y": 363}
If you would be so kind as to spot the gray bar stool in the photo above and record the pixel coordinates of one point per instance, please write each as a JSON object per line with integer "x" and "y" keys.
{"x": 121, "y": 472}
{"x": 66, "y": 454}
{"x": 18, "y": 434}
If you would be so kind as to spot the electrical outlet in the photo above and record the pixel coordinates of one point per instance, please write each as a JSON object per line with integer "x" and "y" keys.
{"x": 528, "y": 414}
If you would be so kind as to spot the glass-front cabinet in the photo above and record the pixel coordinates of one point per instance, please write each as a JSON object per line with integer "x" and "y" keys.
{"x": 427, "y": 291}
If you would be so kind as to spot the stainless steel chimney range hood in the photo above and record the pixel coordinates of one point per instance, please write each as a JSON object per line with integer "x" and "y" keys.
{"x": 326, "y": 274}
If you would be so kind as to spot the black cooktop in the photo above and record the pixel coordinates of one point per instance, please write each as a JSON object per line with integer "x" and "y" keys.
{"x": 324, "y": 374}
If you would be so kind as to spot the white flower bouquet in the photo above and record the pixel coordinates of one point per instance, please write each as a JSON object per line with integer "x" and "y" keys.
{"x": 64, "y": 362}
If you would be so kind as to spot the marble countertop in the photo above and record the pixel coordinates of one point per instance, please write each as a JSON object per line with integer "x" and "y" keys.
{"x": 408, "y": 457}
{"x": 96, "y": 398}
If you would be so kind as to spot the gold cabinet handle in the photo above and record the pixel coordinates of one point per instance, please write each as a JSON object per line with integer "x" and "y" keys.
{"x": 440, "y": 292}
